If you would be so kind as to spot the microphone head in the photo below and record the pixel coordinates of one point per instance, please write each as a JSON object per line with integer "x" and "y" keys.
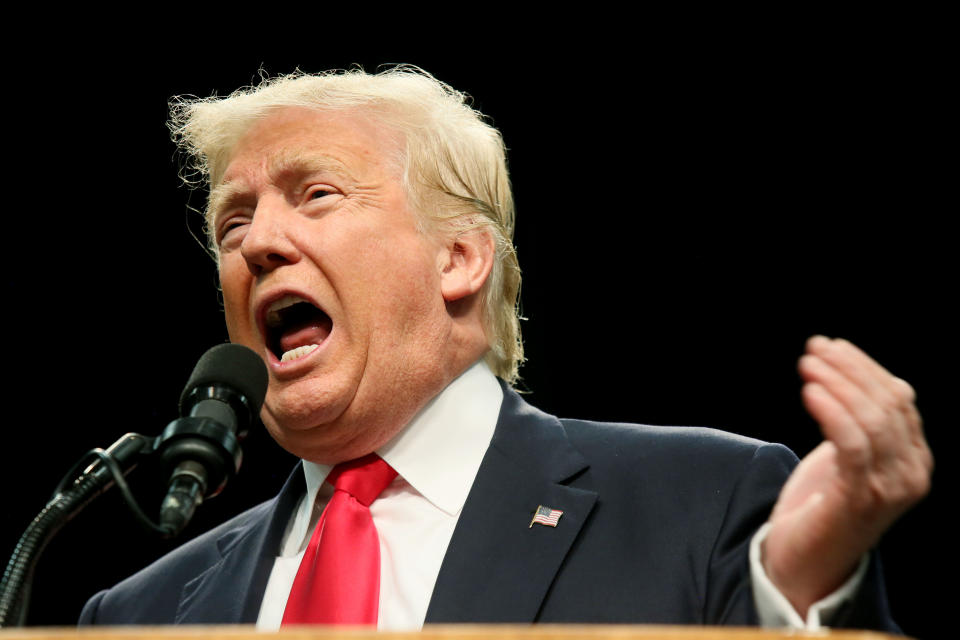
{"x": 234, "y": 366}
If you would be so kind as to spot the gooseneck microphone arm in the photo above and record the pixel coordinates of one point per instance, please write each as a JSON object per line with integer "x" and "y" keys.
{"x": 200, "y": 451}
{"x": 68, "y": 500}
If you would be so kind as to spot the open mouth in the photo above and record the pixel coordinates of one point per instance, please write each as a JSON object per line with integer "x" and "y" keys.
{"x": 294, "y": 327}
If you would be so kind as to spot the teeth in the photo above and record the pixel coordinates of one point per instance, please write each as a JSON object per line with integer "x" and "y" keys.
{"x": 273, "y": 311}
{"x": 293, "y": 354}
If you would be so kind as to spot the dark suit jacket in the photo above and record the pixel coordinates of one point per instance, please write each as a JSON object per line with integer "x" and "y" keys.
{"x": 656, "y": 526}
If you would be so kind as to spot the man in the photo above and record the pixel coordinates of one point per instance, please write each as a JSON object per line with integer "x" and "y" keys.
{"x": 362, "y": 226}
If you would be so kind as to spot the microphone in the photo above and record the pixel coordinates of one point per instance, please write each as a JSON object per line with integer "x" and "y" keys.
{"x": 201, "y": 450}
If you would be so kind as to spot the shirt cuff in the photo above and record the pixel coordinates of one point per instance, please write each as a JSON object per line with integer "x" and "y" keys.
{"x": 775, "y": 610}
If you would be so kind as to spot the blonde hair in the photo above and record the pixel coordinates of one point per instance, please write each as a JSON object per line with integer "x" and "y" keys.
{"x": 453, "y": 165}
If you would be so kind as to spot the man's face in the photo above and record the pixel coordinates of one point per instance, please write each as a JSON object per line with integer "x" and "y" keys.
{"x": 325, "y": 274}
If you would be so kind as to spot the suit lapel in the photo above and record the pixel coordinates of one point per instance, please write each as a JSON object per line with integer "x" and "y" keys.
{"x": 231, "y": 591}
{"x": 498, "y": 568}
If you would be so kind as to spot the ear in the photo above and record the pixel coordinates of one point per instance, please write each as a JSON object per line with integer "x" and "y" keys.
{"x": 466, "y": 263}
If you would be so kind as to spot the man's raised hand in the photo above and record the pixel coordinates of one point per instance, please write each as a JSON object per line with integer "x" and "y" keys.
{"x": 873, "y": 465}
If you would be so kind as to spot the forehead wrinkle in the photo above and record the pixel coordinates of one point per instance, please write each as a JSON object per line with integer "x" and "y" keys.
{"x": 293, "y": 162}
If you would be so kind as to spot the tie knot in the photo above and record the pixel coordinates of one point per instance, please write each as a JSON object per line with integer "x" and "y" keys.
{"x": 364, "y": 478}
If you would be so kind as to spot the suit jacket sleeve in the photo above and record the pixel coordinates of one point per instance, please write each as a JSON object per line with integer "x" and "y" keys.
{"x": 668, "y": 540}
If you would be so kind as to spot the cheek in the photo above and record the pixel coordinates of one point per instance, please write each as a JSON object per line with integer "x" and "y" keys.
{"x": 409, "y": 306}
{"x": 235, "y": 307}
{"x": 234, "y": 328}
{"x": 378, "y": 266}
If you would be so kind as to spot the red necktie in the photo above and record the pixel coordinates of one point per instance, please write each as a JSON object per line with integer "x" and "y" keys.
{"x": 339, "y": 577}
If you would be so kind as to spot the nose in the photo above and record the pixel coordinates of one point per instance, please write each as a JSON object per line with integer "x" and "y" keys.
{"x": 268, "y": 242}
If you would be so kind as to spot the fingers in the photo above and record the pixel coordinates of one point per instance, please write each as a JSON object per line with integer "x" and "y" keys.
{"x": 855, "y": 409}
{"x": 862, "y": 370}
{"x": 838, "y": 425}
{"x": 869, "y": 415}
{"x": 866, "y": 389}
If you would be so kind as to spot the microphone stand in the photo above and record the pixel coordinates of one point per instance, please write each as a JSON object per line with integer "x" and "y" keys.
{"x": 202, "y": 449}
{"x": 68, "y": 500}
{"x": 202, "y": 452}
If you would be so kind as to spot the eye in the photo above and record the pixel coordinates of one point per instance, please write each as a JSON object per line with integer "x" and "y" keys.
{"x": 319, "y": 199}
{"x": 231, "y": 233}
{"x": 320, "y": 191}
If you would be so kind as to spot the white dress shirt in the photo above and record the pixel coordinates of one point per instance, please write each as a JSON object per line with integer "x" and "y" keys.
{"x": 437, "y": 457}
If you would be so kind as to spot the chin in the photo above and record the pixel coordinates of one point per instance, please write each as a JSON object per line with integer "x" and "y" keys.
{"x": 328, "y": 443}
{"x": 315, "y": 423}
{"x": 304, "y": 403}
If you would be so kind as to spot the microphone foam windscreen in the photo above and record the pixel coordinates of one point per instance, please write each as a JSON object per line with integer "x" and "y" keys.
{"x": 234, "y": 366}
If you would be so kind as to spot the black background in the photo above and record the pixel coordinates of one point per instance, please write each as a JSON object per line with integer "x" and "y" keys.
{"x": 696, "y": 196}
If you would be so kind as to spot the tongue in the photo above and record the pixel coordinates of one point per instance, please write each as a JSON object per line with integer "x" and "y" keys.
{"x": 310, "y": 331}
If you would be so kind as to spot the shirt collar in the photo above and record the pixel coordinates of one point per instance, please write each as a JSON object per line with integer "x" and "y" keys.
{"x": 440, "y": 450}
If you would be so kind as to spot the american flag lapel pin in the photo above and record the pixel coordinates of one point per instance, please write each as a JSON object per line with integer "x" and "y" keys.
{"x": 546, "y": 516}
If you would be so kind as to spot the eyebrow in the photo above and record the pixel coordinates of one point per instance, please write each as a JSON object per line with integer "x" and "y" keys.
{"x": 291, "y": 164}
{"x": 286, "y": 166}
{"x": 220, "y": 198}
